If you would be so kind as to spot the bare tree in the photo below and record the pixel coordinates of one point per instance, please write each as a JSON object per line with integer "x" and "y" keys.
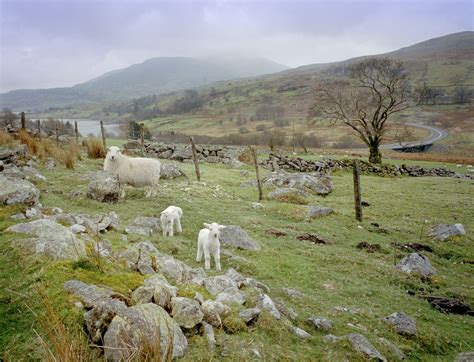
{"x": 376, "y": 89}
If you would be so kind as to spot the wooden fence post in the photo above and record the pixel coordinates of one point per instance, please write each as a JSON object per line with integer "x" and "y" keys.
{"x": 102, "y": 131}
{"x": 57, "y": 133}
{"x": 257, "y": 172}
{"x": 23, "y": 120}
{"x": 76, "y": 131}
{"x": 38, "y": 125}
{"x": 142, "y": 137}
{"x": 357, "y": 199}
{"x": 195, "y": 159}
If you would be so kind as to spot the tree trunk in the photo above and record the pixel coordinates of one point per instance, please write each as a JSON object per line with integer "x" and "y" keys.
{"x": 375, "y": 156}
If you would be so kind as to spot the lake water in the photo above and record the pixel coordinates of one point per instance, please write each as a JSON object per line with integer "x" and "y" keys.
{"x": 88, "y": 126}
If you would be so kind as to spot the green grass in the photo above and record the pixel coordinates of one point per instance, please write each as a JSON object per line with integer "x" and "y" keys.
{"x": 358, "y": 280}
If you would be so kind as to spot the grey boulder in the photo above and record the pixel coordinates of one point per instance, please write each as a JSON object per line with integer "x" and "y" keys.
{"x": 236, "y": 237}
{"x": 317, "y": 211}
{"x": 443, "y": 232}
{"x": 143, "y": 226}
{"x": 361, "y": 345}
{"x": 141, "y": 328}
{"x": 403, "y": 323}
{"x": 320, "y": 323}
{"x": 416, "y": 263}
{"x": 103, "y": 187}
{"x": 170, "y": 171}
{"x": 266, "y": 303}
{"x": 186, "y": 312}
{"x": 17, "y": 191}
{"x": 51, "y": 239}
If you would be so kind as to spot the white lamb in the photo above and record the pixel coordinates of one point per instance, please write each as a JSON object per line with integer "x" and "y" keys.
{"x": 209, "y": 244}
{"x": 170, "y": 216}
{"x": 133, "y": 171}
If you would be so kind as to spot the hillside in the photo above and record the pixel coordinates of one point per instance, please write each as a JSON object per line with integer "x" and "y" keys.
{"x": 246, "y": 109}
{"x": 153, "y": 76}
{"x": 350, "y": 289}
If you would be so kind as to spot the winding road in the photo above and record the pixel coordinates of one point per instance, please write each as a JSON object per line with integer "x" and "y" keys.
{"x": 436, "y": 135}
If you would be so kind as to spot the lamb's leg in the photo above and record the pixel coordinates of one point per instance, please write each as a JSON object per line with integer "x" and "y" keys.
{"x": 199, "y": 253}
{"x": 171, "y": 228}
{"x": 163, "y": 228}
{"x": 207, "y": 259}
{"x": 178, "y": 225}
{"x": 217, "y": 260}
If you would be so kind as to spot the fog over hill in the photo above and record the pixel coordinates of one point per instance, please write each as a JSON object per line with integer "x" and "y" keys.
{"x": 442, "y": 61}
{"x": 153, "y": 76}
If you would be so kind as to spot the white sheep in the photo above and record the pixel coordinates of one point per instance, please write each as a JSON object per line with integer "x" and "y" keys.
{"x": 209, "y": 244}
{"x": 170, "y": 216}
{"x": 133, "y": 171}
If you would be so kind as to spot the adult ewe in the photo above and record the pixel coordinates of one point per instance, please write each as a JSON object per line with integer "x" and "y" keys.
{"x": 133, "y": 171}
{"x": 209, "y": 244}
{"x": 170, "y": 216}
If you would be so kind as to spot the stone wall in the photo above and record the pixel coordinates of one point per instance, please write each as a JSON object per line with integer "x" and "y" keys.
{"x": 276, "y": 162}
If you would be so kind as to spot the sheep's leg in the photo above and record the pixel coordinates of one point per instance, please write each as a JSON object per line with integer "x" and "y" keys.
{"x": 207, "y": 259}
{"x": 152, "y": 192}
{"x": 178, "y": 225}
{"x": 171, "y": 228}
{"x": 199, "y": 253}
{"x": 217, "y": 260}
{"x": 163, "y": 228}
{"x": 122, "y": 191}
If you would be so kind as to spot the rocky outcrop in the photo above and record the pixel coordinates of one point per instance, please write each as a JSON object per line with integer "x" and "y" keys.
{"x": 103, "y": 187}
{"x": 443, "y": 232}
{"x": 403, "y": 323}
{"x": 170, "y": 171}
{"x": 416, "y": 263}
{"x": 144, "y": 226}
{"x": 236, "y": 237}
{"x": 314, "y": 183}
{"x": 51, "y": 239}
{"x": 361, "y": 345}
{"x": 17, "y": 191}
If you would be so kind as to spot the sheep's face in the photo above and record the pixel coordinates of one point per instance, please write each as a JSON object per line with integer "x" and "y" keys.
{"x": 113, "y": 154}
{"x": 165, "y": 217}
{"x": 214, "y": 229}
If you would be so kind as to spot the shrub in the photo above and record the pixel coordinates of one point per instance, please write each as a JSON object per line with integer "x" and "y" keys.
{"x": 95, "y": 148}
{"x": 29, "y": 141}
{"x": 6, "y": 139}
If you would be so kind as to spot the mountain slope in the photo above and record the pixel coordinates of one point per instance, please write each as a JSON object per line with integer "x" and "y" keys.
{"x": 153, "y": 76}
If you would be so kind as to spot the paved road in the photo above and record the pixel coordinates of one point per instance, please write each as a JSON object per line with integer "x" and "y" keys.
{"x": 436, "y": 135}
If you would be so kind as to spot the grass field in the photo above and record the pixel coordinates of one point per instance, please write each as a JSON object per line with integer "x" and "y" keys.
{"x": 337, "y": 274}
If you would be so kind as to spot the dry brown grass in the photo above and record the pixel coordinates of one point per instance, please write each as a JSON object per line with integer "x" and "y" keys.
{"x": 6, "y": 139}
{"x": 44, "y": 149}
{"x": 60, "y": 342}
{"x": 435, "y": 157}
{"x": 29, "y": 141}
{"x": 95, "y": 148}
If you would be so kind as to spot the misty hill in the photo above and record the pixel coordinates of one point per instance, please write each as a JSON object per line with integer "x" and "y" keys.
{"x": 153, "y": 76}
{"x": 445, "y": 63}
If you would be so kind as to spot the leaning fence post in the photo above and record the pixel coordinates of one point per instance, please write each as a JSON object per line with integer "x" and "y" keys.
{"x": 23, "y": 120}
{"x": 195, "y": 159}
{"x": 76, "y": 131}
{"x": 102, "y": 131}
{"x": 357, "y": 199}
{"x": 257, "y": 173}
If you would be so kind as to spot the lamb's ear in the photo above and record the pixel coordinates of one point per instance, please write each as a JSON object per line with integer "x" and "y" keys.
{"x": 207, "y": 226}
{"x": 222, "y": 227}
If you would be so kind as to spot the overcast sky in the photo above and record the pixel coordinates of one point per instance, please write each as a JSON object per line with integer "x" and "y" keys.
{"x": 54, "y": 43}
